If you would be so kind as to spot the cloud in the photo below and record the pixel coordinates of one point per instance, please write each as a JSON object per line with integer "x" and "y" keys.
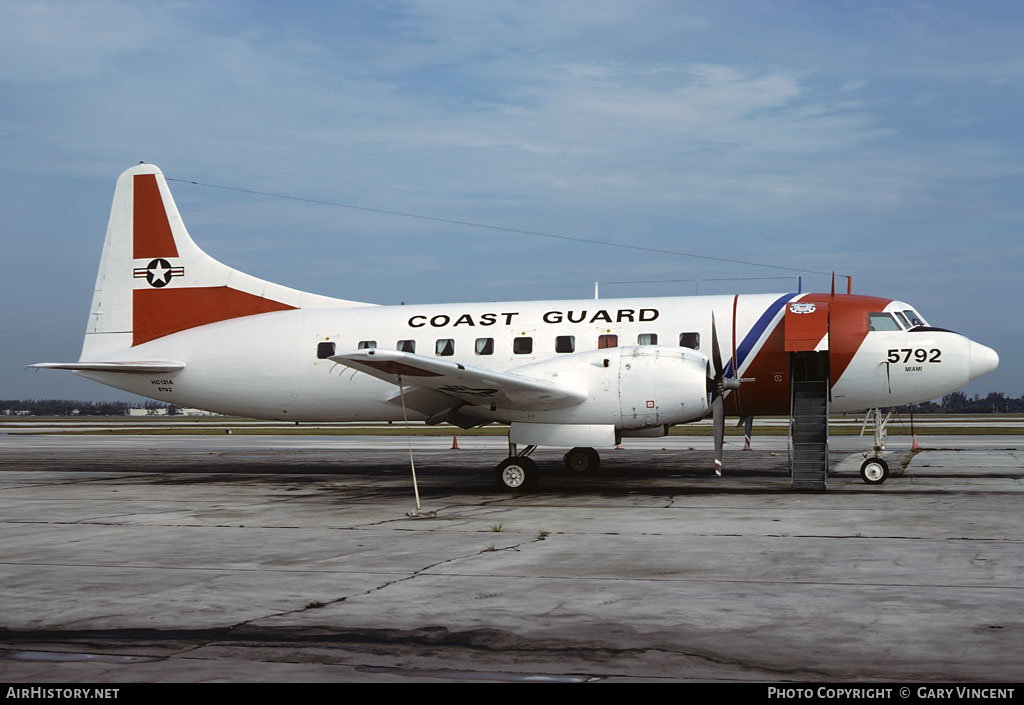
{"x": 54, "y": 43}
{"x": 783, "y": 132}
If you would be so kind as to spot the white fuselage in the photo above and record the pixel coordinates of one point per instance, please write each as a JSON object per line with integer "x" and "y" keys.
{"x": 266, "y": 365}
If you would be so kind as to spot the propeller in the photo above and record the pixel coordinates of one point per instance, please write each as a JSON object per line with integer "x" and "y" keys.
{"x": 718, "y": 383}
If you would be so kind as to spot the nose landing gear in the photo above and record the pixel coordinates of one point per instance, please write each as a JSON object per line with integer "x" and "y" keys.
{"x": 874, "y": 470}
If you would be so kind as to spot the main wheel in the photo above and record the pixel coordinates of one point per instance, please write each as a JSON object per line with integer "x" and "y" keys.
{"x": 582, "y": 460}
{"x": 874, "y": 471}
{"x": 517, "y": 474}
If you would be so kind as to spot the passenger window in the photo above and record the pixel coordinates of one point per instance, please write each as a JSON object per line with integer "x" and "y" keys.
{"x": 485, "y": 346}
{"x": 881, "y": 321}
{"x": 445, "y": 347}
{"x": 367, "y": 344}
{"x": 903, "y": 319}
{"x": 689, "y": 340}
{"x": 408, "y": 346}
{"x": 522, "y": 345}
{"x": 647, "y": 339}
{"x": 324, "y": 350}
{"x": 565, "y": 344}
{"x": 607, "y": 341}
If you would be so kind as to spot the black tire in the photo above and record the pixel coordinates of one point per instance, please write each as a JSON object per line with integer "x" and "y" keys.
{"x": 517, "y": 474}
{"x": 582, "y": 460}
{"x": 874, "y": 471}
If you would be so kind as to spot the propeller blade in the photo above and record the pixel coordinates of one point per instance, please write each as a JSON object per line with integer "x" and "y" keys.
{"x": 716, "y": 353}
{"x": 718, "y": 421}
{"x": 748, "y": 428}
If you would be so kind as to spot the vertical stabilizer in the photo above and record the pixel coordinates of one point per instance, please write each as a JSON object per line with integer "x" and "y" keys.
{"x": 154, "y": 280}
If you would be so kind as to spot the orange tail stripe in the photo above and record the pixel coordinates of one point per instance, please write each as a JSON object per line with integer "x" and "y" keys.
{"x": 151, "y": 233}
{"x": 160, "y": 312}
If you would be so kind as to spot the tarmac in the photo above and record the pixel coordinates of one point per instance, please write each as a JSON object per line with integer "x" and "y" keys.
{"x": 292, "y": 559}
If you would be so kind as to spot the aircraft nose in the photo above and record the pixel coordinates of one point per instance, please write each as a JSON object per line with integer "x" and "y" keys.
{"x": 983, "y": 360}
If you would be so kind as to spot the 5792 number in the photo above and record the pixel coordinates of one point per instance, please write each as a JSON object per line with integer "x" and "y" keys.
{"x": 918, "y": 354}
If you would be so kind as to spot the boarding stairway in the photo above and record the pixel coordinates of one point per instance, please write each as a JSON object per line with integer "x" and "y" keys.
{"x": 808, "y": 435}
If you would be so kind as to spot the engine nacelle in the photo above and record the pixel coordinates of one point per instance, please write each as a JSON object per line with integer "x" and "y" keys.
{"x": 633, "y": 387}
{"x": 661, "y": 385}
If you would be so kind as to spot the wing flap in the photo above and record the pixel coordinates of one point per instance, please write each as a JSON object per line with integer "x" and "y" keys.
{"x": 472, "y": 385}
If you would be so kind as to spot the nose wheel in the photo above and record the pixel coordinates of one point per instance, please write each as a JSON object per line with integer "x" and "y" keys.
{"x": 874, "y": 471}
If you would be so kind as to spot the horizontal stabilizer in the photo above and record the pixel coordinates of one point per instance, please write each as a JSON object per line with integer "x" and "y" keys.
{"x": 143, "y": 367}
{"x": 472, "y": 385}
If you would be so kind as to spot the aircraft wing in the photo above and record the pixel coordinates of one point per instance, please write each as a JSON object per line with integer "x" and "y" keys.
{"x": 471, "y": 385}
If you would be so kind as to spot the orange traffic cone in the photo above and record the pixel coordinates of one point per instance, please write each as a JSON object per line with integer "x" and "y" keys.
{"x": 455, "y": 442}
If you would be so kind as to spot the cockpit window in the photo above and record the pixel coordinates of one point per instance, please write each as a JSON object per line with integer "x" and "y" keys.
{"x": 882, "y": 321}
{"x": 903, "y": 319}
{"x": 915, "y": 320}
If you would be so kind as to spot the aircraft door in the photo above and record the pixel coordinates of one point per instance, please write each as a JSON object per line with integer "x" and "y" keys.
{"x": 807, "y": 326}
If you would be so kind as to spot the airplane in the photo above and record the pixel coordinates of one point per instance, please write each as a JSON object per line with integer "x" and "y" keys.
{"x": 169, "y": 322}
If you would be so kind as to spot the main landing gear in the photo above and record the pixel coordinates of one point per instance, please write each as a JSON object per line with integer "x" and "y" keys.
{"x": 518, "y": 473}
{"x": 582, "y": 460}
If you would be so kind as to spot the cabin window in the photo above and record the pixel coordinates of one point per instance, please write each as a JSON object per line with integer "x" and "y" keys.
{"x": 522, "y": 345}
{"x": 647, "y": 339}
{"x": 366, "y": 344}
{"x": 324, "y": 350}
{"x": 445, "y": 347}
{"x": 689, "y": 340}
{"x": 484, "y": 346}
{"x": 607, "y": 341}
{"x": 882, "y": 321}
{"x": 915, "y": 320}
{"x": 903, "y": 319}
{"x": 565, "y": 344}
{"x": 408, "y": 346}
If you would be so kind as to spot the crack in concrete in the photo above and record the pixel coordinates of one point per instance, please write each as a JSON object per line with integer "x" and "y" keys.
{"x": 344, "y": 598}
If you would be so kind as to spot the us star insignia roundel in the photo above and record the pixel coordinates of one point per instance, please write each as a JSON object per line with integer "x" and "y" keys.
{"x": 159, "y": 272}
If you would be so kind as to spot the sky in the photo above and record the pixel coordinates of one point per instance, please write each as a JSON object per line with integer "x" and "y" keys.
{"x": 882, "y": 140}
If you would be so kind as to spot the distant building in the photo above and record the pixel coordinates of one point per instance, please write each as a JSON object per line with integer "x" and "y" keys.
{"x": 164, "y": 411}
{"x": 147, "y": 412}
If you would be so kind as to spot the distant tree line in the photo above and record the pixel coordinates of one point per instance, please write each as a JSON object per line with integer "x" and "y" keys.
{"x": 71, "y": 407}
{"x": 955, "y": 403}
{"x": 960, "y": 403}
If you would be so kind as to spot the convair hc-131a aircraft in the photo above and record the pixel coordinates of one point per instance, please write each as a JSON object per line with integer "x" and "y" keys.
{"x": 169, "y": 322}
